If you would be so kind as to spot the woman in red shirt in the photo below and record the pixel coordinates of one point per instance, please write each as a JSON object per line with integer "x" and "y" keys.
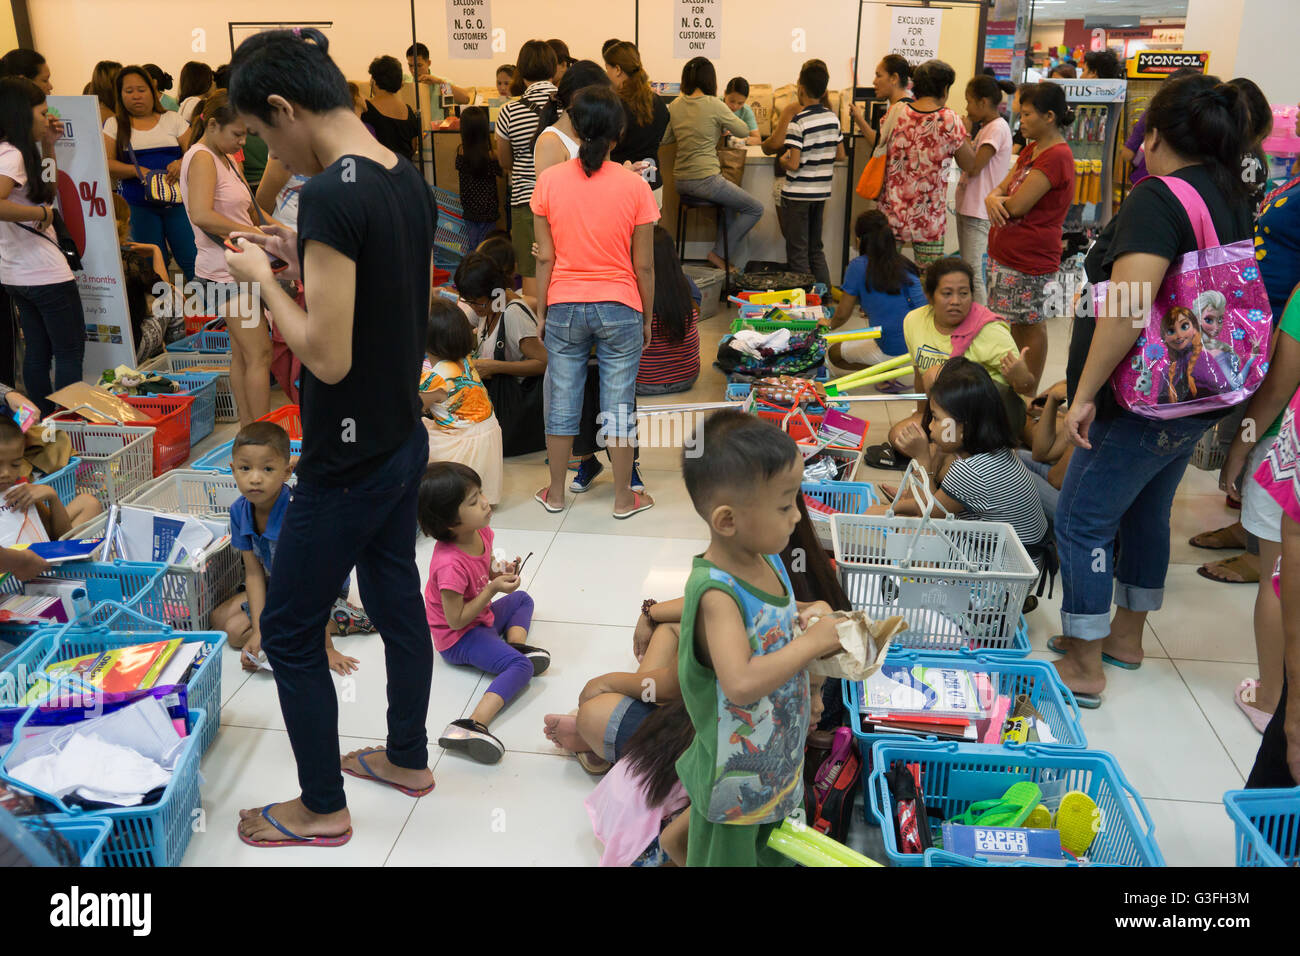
{"x": 1027, "y": 212}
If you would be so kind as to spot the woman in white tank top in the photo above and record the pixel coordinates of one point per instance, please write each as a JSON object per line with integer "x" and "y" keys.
{"x": 557, "y": 142}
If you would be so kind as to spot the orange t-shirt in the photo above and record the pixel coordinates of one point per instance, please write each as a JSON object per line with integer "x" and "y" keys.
{"x": 591, "y": 223}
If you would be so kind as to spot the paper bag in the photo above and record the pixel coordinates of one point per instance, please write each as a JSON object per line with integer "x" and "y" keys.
{"x": 783, "y": 97}
{"x": 760, "y": 101}
{"x": 864, "y": 644}
{"x": 732, "y": 164}
{"x": 100, "y": 405}
{"x": 844, "y": 109}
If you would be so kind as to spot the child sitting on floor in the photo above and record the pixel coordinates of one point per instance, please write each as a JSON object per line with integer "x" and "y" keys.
{"x": 742, "y": 671}
{"x": 1052, "y": 448}
{"x": 967, "y": 448}
{"x": 459, "y": 417}
{"x": 466, "y": 625}
{"x": 260, "y": 463}
{"x": 33, "y": 512}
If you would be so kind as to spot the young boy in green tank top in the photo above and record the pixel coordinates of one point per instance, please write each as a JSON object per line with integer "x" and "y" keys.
{"x": 742, "y": 670}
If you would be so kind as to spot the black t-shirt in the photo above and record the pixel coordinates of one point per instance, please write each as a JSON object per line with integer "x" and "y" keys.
{"x": 384, "y": 221}
{"x": 1152, "y": 220}
{"x": 641, "y": 141}
{"x": 397, "y": 134}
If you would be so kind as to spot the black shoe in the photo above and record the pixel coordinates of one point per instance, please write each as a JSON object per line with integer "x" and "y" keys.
{"x": 470, "y": 737}
{"x": 885, "y": 456}
{"x": 541, "y": 659}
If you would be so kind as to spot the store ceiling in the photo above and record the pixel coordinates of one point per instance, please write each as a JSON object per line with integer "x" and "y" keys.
{"x": 1045, "y": 10}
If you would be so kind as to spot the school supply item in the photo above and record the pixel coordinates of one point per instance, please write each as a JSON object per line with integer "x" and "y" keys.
{"x": 911, "y": 817}
{"x": 116, "y": 670}
{"x": 25, "y": 417}
{"x": 1001, "y": 844}
{"x": 145, "y": 535}
{"x": 20, "y": 527}
{"x": 922, "y": 690}
{"x": 61, "y": 552}
{"x": 1207, "y": 335}
{"x": 829, "y": 799}
{"x": 864, "y": 644}
{"x": 892, "y": 368}
{"x": 46, "y": 600}
{"x": 797, "y": 841}
{"x": 75, "y": 705}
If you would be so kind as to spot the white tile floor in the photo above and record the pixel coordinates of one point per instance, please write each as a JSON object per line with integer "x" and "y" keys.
{"x": 1172, "y": 724}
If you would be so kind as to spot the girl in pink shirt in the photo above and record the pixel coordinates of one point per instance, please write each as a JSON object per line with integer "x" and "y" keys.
{"x": 466, "y": 624}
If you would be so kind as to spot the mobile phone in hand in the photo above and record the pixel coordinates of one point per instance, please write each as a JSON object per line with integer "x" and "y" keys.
{"x": 277, "y": 264}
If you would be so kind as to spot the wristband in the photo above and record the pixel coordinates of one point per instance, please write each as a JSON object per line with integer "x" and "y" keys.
{"x": 646, "y": 605}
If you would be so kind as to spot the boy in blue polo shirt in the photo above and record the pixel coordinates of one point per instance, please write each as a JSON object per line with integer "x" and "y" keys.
{"x": 261, "y": 465}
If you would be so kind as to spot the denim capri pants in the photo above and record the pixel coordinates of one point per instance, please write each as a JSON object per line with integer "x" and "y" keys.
{"x": 616, "y": 331}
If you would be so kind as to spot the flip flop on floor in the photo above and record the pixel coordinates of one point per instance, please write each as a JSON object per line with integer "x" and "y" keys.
{"x": 370, "y": 775}
{"x": 641, "y": 502}
{"x": 294, "y": 839}
{"x": 1238, "y": 566}
{"x": 540, "y": 498}
{"x": 1053, "y": 645}
{"x": 885, "y": 456}
{"x": 1087, "y": 701}
{"x": 593, "y": 762}
{"x": 1211, "y": 540}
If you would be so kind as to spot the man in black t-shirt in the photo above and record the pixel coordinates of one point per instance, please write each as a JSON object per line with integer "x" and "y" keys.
{"x": 366, "y": 228}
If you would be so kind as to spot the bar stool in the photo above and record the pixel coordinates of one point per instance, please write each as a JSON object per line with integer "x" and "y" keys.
{"x": 687, "y": 203}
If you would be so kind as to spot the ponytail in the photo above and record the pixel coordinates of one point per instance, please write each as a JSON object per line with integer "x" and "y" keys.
{"x": 597, "y": 117}
{"x": 582, "y": 74}
{"x": 216, "y": 107}
{"x": 1206, "y": 122}
{"x": 1047, "y": 98}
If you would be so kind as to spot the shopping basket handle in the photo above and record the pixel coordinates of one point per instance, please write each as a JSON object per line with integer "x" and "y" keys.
{"x": 120, "y": 608}
{"x": 91, "y": 408}
{"x": 1137, "y": 802}
{"x": 878, "y": 795}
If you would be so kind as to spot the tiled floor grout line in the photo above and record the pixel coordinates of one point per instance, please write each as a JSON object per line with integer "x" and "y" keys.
{"x": 1213, "y": 727}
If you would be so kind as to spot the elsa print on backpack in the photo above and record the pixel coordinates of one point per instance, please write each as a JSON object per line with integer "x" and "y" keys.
{"x": 1206, "y": 340}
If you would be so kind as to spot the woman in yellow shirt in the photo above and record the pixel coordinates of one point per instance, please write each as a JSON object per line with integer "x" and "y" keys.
{"x": 954, "y": 324}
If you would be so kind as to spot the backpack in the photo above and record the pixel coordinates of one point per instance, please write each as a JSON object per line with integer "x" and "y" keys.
{"x": 829, "y": 798}
{"x": 1206, "y": 343}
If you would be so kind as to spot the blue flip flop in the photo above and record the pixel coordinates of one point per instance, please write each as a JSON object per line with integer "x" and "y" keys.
{"x": 293, "y": 838}
{"x": 1055, "y": 648}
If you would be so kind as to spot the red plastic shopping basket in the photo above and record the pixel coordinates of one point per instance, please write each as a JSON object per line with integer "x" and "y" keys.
{"x": 287, "y": 417}
{"x": 170, "y": 416}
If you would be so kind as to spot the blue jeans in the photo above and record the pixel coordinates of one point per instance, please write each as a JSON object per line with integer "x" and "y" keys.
{"x": 326, "y": 532}
{"x": 617, "y": 332}
{"x": 1038, "y": 470}
{"x": 168, "y": 228}
{"x": 743, "y": 210}
{"x": 54, "y": 329}
{"x": 475, "y": 233}
{"x": 1124, "y": 485}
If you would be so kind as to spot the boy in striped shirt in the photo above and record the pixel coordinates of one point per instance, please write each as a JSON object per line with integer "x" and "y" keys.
{"x": 814, "y": 146}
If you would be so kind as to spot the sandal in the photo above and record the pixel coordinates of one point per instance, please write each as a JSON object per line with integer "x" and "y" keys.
{"x": 885, "y": 456}
{"x": 1054, "y": 645}
{"x": 593, "y": 763}
{"x": 370, "y": 775}
{"x": 637, "y": 507}
{"x": 1010, "y": 810}
{"x": 1239, "y": 566}
{"x": 1258, "y": 718}
{"x": 1078, "y": 820}
{"x": 293, "y": 839}
{"x": 540, "y": 497}
{"x": 1209, "y": 540}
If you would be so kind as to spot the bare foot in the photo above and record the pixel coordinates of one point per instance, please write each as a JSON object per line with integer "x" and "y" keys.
{"x": 383, "y": 770}
{"x": 1076, "y": 673}
{"x": 295, "y": 818}
{"x": 562, "y": 730}
{"x": 716, "y": 261}
{"x": 1124, "y": 648}
{"x": 629, "y": 500}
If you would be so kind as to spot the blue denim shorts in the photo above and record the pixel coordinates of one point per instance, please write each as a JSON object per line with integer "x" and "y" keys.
{"x": 572, "y": 328}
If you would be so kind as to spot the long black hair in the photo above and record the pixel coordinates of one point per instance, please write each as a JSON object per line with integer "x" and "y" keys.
{"x": 965, "y": 390}
{"x": 21, "y": 62}
{"x": 674, "y": 306}
{"x": 887, "y": 268}
{"x": 295, "y": 64}
{"x": 1205, "y": 121}
{"x": 582, "y": 74}
{"x": 196, "y": 80}
{"x": 475, "y": 142}
{"x": 597, "y": 116}
{"x": 18, "y": 97}
{"x": 699, "y": 74}
{"x": 811, "y": 576}
{"x": 651, "y": 752}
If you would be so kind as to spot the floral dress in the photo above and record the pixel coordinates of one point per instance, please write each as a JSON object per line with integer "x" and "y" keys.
{"x": 915, "y": 194}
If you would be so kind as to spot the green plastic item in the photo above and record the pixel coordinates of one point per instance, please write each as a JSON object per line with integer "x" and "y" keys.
{"x": 807, "y": 846}
{"x": 1011, "y": 810}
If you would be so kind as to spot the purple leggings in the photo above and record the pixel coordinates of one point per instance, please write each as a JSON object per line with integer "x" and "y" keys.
{"x": 483, "y": 646}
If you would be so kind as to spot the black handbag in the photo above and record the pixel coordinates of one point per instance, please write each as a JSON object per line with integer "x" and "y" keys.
{"x": 518, "y": 405}
{"x": 66, "y": 244}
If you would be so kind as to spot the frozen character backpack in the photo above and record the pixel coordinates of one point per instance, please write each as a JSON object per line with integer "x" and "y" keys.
{"x": 1206, "y": 342}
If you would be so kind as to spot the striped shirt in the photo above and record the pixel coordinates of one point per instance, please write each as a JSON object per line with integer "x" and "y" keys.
{"x": 517, "y": 123}
{"x": 996, "y": 486}
{"x": 670, "y": 363}
{"x": 815, "y": 132}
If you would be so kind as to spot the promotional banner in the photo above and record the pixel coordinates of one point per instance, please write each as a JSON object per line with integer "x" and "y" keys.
{"x": 697, "y": 29}
{"x": 469, "y": 29}
{"x": 86, "y": 201}
{"x": 914, "y": 33}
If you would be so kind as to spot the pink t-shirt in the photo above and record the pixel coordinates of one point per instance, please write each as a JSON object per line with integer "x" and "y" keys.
{"x": 591, "y": 223}
{"x": 622, "y": 820}
{"x": 231, "y": 199}
{"x": 26, "y": 259}
{"x": 971, "y": 192}
{"x": 1279, "y": 472}
{"x": 451, "y": 569}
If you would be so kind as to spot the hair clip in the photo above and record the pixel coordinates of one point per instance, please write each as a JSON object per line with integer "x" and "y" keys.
{"x": 297, "y": 31}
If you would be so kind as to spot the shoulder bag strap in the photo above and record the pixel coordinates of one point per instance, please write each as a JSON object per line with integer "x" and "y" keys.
{"x": 1199, "y": 214}
{"x": 134, "y": 162}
